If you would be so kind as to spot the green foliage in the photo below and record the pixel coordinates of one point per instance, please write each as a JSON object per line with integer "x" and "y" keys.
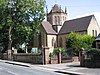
{"x": 40, "y": 51}
{"x": 20, "y": 21}
{"x": 56, "y": 50}
{"x": 87, "y": 40}
{"x": 93, "y": 53}
{"x": 53, "y": 55}
{"x": 20, "y": 50}
{"x": 77, "y": 41}
{"x": 65, "y": 54}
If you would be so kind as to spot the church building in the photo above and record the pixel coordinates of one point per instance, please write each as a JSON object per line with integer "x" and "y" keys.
{"x": 55, "y": 30}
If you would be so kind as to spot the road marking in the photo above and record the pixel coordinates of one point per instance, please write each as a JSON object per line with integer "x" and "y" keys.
{"x": 12, "y": 73}
{"x": 8, "y": 71}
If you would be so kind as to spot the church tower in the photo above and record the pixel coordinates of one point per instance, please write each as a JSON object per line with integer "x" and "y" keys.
{"x": 56, "y": 17}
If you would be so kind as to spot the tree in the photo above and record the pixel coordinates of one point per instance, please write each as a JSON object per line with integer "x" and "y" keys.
{"x": 78, "y": 41}
{"x": 19, "y": 21}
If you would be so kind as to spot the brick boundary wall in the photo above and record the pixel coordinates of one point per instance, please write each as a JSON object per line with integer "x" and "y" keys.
{"x": 29, "y": 58}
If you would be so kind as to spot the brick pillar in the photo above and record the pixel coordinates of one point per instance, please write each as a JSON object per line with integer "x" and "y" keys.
{"x": 45, "y": 55}
{"x": 81, "y": 57}
{"x": 59, "y": 57}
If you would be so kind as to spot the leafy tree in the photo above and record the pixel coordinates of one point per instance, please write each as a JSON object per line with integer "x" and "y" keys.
{"x": 19, "y": 21}
{"x": 58, "y": 49}
{"x": 78, "y": 41}
{"x": 92, "y": 57}
{"x": 93, "y": 53}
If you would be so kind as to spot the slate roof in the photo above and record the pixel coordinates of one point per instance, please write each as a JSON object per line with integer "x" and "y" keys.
{"x": 75, "y": 25}
{"x": 56, "y": 9}
{"x": 48, "y": 27}
{"x": 98, "y": 37}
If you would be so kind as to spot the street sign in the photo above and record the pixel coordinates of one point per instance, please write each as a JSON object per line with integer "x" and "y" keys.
{"x": 35, "y": 50}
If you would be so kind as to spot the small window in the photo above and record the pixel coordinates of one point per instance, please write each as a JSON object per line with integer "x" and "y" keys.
{"x": 93, "y": 32}
{"x": 58, "y": 20}
{"x": 53, "y": 41}
{"x": 63, "y": 17}
{"x": 60, "y": 42}
{"x": 55, "y": 20}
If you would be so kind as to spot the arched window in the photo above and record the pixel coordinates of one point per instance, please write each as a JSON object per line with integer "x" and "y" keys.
{"x": 60, "y": 42}
{"x": 40, "y": 40}
{"x": 58, "y": 20}
{"x": 53, "y": 41}
{"x": 55, "y": 20}
{"x": 95, "y": 32}
{"x": 63, "y": 17}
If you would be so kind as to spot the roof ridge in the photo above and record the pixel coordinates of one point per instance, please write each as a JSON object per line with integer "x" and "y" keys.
{"x": 81, "y": 17}
{"x": 78, "y": 24}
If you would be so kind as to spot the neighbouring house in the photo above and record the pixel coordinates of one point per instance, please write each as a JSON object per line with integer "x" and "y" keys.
{"x": 97, "y": 40}
{"x": 55, "y": 30}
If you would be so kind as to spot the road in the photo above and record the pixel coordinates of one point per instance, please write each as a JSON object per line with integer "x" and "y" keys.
{"x": 10, "y": 69}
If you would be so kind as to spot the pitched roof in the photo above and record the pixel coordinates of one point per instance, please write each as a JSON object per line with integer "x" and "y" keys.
{"x": 79, "y": 24}
{"x": 48, "y": 27}
{"x": 98, "y": 37}
{"x": 56, "y": 9}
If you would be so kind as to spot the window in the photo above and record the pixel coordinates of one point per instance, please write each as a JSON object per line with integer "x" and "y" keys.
{"x": 63, "y": 17}
{"x": 93, "y": 32}
{"x": 58, "y": 20}
{"x": 40, "y": 40}
{"x": 60, "y": 42}
{"x": 53, "y": 41}
{"x": 55, "y": 20}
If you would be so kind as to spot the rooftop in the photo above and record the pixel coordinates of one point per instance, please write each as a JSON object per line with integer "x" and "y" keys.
{"x": 79, "y": 24}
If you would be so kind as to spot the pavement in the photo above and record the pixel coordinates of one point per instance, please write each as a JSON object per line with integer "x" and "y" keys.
{"x": 72, "y": 68}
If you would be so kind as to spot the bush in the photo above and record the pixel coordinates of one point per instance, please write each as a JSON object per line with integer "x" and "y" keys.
{"x": 93, "y": 54}
{"x": 52, "y": 55}
{"x": 65, "y": 55}
{"x": 20, "y": 50}
{"x": 55, "y": 52}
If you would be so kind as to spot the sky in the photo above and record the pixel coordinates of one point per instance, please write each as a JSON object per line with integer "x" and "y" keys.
{"x": 76, "y": 8}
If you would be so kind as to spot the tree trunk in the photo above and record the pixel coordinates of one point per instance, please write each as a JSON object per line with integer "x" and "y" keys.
{"x": 9, "y": 51}
{"x": 10, "y": 39}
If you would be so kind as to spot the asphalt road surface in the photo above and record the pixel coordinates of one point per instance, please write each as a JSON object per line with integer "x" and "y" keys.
{"x": 10, "y": 69}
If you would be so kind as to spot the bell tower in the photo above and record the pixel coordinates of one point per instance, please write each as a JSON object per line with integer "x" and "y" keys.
{"x": 57, "y": 17}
